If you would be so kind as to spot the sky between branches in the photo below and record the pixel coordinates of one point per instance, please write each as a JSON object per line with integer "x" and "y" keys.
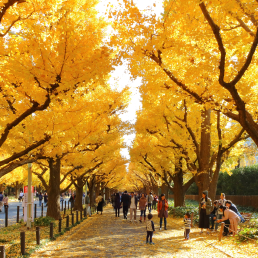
{"x": 121, "y": 77}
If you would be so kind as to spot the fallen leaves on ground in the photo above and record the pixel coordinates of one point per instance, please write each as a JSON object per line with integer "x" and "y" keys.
{"x": 108, "y": 236}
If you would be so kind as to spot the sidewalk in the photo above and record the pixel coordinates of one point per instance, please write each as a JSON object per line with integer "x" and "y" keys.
{"x": 108, "y": 236}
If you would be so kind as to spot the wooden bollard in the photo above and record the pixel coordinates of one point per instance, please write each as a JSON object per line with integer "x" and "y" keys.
{"x": 51, "y": 230}
{"x": 85, "y": 212}
{"x": 35, "y": 210}
{"x": 221, "y": 230}
{"x": 72, "y": 219}
{"x": 2, "y": 251}
{"x": 6, "y": 216}
{"x": 60, "y": 225}
{"x": 18, "y": 215}
{"x": 67, "y": 221}
{"x": 77, "y": 217}
{"x": 81, "y": 215}
{"x": 22, "y": 237}
{"x": 37, "y": 236}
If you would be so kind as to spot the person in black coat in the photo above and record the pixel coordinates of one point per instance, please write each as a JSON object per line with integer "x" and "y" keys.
{"x": 117, "y": 204}
{"x": 45, "y": 199}
{"x": 126, "y": 199}
{"x": 71, "y": 200}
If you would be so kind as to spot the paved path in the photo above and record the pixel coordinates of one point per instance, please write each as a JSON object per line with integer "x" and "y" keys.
{"x": 107, "y": 236}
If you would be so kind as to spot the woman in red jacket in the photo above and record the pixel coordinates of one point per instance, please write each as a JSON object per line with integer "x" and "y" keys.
{"x": 163, "y": 211}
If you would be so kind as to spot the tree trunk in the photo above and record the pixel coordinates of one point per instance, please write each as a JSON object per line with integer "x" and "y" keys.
{"x": 202, "y": 178}
{"x": 215, "y": 177}
{"x": 79, "y": 193}
{"x": 92, "y": 192}
{"x": 96, "y": 188}
{"x": 17, "y": 192}
{"x": 53, "y": 192}
{"x": 179, "y": 192}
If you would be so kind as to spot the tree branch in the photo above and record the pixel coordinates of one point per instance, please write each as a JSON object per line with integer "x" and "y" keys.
{"x": 35, "y": 107}
{"x": 24, "y": 152}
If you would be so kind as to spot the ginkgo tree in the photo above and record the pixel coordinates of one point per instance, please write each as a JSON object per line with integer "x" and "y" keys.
{"x": 203, "y": 49}
{"x": 80, "y": 127}
{"x": 182, "y": 140}
{"x": 57, "y": 51}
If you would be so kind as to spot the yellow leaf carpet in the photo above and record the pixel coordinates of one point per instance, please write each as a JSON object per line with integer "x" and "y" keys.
{"x": 108, "y": 236}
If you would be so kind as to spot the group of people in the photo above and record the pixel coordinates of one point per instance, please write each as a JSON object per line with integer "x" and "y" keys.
{"x": 131, "y": 201}
{"x": 221, "y": 210}
{"x": 124, "y": 200}
{"x": 211, "y": 214}
{"x": 43, "y": 197}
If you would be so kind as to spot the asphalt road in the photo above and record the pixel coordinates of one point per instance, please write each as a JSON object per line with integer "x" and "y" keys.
{"x": 12, "y": 212}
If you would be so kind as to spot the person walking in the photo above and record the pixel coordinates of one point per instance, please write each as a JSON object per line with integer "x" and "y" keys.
{"x": 117, "y": 204}
{"x": 40, "y": 199}
{"x": 1, "y": 201}
{"x": 71, "y": 200}
{"x": 45, "y": 199}
{"x": 150, "y": 200}
{"x": 100, "y": 202}
{"x": 142, "y": 207}
{"x": 205, "y": 211}
{"x": 126, "y": 203}
{"x": 20, "y": 196}
{"x": 155, "y": 201}
{"x": 133, "y": 206}
{"x": 87, "y": 203}
{"x": 163, "y": 211}
{"x": 5, "y": 201}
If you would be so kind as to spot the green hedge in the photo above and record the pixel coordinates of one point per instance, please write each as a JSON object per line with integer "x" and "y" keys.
{"x": 242, "y": 181}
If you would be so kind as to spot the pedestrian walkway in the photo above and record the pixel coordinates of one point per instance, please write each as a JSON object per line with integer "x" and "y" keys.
{"x": 108, "y": 236}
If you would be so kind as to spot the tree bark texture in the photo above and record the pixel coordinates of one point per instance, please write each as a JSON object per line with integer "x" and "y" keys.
{"x": 202, "y": 177}
{"x": 79, "y": 192}
{"x": 53, "y": 192}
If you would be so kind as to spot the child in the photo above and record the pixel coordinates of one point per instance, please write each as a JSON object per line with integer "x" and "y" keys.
{"x": 187, "y": 221}
{"x": 150, "y": 229}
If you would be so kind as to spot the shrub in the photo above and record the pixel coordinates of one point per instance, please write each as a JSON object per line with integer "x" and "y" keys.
{"x": 43, "y": 221}
{"x": 190, "y": 207}
{"x": 248, "y": 233}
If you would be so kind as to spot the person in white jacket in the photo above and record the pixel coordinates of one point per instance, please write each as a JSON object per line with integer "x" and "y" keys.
{"x": 231, "y": 220}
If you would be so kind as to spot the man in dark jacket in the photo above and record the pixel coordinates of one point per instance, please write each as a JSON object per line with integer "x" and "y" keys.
{"x": 213, "y": 214}
{"x": 125, "y": 199}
